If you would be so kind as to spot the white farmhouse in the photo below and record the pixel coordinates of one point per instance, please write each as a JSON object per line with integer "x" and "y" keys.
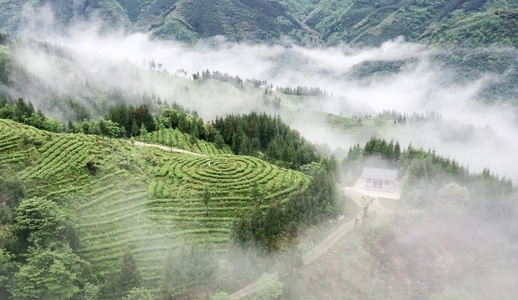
{"x": 379, "y": 179}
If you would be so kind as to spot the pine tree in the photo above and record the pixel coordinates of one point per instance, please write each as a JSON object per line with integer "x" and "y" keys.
{"x": 219, "y": 141}
{"x": 129, "y": 276}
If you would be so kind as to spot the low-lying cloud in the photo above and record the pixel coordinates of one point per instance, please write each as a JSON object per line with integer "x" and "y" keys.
{"x": 464, "y": 128}
{"x": 475, "y": 133}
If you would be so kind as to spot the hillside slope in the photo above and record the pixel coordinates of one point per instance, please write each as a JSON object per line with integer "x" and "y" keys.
{"x": 142, "y": 200}
{"x": 185, "y": 20}
{"x": 478, "y": 29}
{"x": 306, "y": 22}
{"x": 373, "y": 22}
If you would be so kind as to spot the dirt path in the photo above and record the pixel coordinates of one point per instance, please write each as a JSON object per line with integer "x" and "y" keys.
{"x": 358, "y": 198}
{"x": 347, "y": 227}
{"x": 331, "y": 240}
{"x": 169, "y": 149}
{"x": 247, "y": 290}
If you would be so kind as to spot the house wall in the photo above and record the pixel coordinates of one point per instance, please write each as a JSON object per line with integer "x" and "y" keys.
{"x": 379, "y": 184}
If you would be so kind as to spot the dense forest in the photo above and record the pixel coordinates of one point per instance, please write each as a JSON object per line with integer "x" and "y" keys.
{"x": 305, "y": 22}
{"x": 266, "y": 136}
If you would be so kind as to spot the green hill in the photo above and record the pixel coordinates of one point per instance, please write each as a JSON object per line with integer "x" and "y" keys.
{"x": 478, "y": 29}
{"x": 373, "y": 22}
{"x": 185, "y": 20}
{"x": 144, "y": 200}
{"x": 307, "y": 22}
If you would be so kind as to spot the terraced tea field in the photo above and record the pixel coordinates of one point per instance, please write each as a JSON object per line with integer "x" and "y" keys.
{"x": 141, "y": 199}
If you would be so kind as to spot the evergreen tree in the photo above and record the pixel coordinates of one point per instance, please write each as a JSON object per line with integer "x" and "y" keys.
{"x": 134, "y": 128}
{"x": 219, "y": 141}
{"x": 129, "y": 275}
{"x": 12, "y": 191}
{"x": 143, "y": 133}
{"x": 49, "y": 273}
{"x": 22, "y": 110}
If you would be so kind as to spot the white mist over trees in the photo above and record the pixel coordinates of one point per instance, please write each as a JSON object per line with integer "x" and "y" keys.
{"x": 420, "y": 83}
{"x": 452, "y": 135}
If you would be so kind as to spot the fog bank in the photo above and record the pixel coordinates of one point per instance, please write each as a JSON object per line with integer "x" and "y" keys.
{"x": 358, "y": 83}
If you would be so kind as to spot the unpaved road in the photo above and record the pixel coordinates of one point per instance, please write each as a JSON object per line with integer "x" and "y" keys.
{"x": 328, "y": 242}
{"x": 170, "y": 149}
{"x": 247, "y": 290}
{"x": 341, "y": 231}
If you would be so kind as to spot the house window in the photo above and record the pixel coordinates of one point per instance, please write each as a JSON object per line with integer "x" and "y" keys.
{"x": 387, "y": 182}
{"x": 368, "y": 181}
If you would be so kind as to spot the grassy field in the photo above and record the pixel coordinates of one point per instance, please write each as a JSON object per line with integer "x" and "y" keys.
{"x": 141, "y": 199}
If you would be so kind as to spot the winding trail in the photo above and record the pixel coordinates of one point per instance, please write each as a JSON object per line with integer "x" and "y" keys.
{"x": 169, "y": 149}
{"x": 320, "y": 249}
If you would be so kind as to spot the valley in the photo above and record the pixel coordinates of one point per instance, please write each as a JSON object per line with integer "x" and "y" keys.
{"x": 228, "y": 149}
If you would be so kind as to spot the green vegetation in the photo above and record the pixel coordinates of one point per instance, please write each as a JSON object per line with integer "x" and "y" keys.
{"x": 306, "y": 22}
{"x": 5, "y": 62}
{"x": 102, "y": 211}
{"x": 264, "y": 136}
{"x": 396, "y": 262}
{"x": 464, "y": 218}
{"x": 185, "y": 20}
{"x": 175, "y": 138}
{"x": 479, "y": 29}
{"x": 274, "y": 229}
{"x": 86, "y": 215}
{"x": 24, "y": 113}
{"x": 371, "y": 23}
{"x": 428, "y": 178}
{"x": 473, "y": 63}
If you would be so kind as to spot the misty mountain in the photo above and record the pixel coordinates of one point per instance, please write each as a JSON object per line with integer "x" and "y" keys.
{"x": 478, "y": 29}
{"x": 322, "y": 93}
{"x": 327, "y": 22}
{"x": 185, "y": 20}
{"x": 373, "y": 22}
{"x": 185, "y": 149}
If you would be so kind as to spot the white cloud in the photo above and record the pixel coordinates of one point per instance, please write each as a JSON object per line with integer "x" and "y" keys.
{"x": 418, "y": 87}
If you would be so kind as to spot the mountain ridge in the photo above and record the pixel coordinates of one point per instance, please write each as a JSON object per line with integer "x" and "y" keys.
{"x": 307, "y": 22}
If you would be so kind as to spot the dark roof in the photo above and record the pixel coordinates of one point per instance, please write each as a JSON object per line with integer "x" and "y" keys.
{"x": 379, "y": 174}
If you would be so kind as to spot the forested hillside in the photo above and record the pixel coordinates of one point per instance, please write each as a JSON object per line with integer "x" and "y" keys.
{"x": 374, "y": 22}
{"x": 184, "y": 20}
{"x": 306, "y": 22}
{"x": 116, "y": 215}
{"x": 127, "y": 210}
{"x": 426, "y": 175}
{"x": 478, "y": 29}
{"x": 130, "y": 220}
